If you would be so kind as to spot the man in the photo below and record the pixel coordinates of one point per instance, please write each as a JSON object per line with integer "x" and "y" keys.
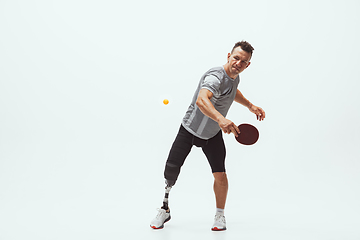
{"x": 202, "y": 126}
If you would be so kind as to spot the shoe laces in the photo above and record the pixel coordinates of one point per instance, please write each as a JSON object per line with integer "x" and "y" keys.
{"x": 220, "y": 218}
{"x": 161, "y": 212}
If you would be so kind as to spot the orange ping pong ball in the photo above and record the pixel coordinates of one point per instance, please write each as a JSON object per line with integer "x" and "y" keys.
{"x": 166, "y": 102}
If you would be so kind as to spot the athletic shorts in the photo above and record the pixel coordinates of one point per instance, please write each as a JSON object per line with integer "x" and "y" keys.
{"x": 214, "y": 149}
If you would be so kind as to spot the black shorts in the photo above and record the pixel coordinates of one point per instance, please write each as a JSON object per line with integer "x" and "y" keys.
{"x": 214, "y": 149}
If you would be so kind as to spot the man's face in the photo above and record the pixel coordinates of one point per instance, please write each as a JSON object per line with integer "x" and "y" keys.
{"x": 238, "y": 61}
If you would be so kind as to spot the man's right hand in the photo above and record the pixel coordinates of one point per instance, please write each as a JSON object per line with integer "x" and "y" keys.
{"x": 228, "y": 126}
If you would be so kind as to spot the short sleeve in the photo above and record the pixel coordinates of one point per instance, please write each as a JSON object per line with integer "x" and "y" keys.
{"x": 211, "y": 83}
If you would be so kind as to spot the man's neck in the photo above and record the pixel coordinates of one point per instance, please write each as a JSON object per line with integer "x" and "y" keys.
{"x": 227, "y": 70}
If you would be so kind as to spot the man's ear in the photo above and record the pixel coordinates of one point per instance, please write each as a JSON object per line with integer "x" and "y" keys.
{"x": 248, "y": 65}
{"x": 228, "y": 57}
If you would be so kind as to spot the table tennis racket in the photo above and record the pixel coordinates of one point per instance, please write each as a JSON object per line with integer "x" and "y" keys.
{"x": 248, "y": 134}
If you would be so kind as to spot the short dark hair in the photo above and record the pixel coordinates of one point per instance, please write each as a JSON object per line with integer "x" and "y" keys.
{"x": 244, "y": 45}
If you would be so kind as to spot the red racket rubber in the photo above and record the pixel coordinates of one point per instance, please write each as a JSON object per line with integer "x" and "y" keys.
{"x": 248, "y": 134}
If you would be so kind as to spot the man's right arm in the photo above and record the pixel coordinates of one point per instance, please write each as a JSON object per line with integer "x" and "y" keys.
{"x": 207, "y": 108}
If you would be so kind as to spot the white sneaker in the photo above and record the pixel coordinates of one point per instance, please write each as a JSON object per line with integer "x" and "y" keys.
{"x": 161, "y": 218}
{"x": 219, "y": 223}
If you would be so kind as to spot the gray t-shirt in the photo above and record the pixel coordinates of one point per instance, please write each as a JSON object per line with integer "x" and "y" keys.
{"x": 224, "y": 90}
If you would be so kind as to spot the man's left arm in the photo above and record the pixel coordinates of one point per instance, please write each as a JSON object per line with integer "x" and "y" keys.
{"x": 259, "y": 112}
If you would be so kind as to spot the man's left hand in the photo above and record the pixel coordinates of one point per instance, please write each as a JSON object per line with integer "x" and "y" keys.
{"x": 259, "y": 112}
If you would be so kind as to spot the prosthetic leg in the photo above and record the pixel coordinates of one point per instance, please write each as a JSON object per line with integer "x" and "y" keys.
{"x": 171, "y": 174}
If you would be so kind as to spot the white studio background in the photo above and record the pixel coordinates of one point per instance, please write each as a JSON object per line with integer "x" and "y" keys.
{"x": 84, "y": 134}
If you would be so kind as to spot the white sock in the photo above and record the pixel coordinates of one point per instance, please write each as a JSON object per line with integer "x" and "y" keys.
{"x": 220, "y": 211}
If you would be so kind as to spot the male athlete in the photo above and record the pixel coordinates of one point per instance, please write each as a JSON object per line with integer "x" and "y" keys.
{"x": 202, "y": 126}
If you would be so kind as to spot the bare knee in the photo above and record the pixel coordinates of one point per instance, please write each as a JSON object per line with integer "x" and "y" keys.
{"x": 220, "y": 177}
